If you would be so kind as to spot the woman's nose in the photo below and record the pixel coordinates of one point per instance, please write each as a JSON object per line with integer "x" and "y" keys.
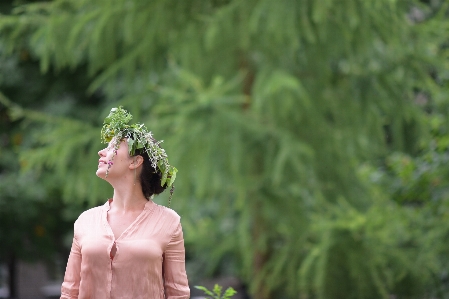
{"x": 101, "y": 153}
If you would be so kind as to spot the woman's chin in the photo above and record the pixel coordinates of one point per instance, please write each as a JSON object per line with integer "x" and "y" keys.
{"x": 101, "y": 174}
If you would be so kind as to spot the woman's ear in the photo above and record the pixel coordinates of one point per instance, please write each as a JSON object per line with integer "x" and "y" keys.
{"x": 136, "y": 162}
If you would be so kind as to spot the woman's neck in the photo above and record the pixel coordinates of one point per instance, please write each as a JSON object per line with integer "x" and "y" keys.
{"x": 129, "y": 199}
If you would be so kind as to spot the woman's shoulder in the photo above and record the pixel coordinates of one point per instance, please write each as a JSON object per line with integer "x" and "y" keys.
{"x": 168, "y": 221}
{"x": 167, "y": 213}
{"x": 91, "y": 213}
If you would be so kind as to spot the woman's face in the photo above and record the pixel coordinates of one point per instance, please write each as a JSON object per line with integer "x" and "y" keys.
{"x": 114, "y": 165}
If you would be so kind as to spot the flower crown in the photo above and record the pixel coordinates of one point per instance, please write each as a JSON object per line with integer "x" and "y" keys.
{"x": 116, "y": 128}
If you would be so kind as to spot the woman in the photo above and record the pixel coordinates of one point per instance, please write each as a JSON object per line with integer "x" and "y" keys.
{"x": 130, "y": 247}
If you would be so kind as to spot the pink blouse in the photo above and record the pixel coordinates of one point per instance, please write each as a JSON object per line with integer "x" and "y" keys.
{"x": 149, "y": 261}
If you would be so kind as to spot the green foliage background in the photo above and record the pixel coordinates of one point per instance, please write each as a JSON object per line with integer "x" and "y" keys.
{"x": 310, "y": 135}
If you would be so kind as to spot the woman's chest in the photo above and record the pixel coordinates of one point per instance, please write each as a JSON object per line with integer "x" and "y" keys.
{"x": 144, "y": 247}
{"x": 127, "y": 254}
{"x": 120, "y": 223}
{"x": 123, "y": 237}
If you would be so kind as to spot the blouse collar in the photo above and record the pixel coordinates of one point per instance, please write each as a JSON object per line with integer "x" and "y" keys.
{"x": 148, "y": 206}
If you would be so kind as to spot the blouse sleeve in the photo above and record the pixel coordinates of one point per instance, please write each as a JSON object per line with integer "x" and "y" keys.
{"x": 72, "y": 277}
{"x": 175, "y": 277}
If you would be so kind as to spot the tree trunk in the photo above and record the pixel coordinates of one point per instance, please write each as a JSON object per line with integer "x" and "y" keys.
{"x": 260, "y": 255}
{"x": 12, "y": 275}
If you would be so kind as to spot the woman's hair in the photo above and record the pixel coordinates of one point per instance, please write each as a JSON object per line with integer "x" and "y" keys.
{"x": 150, "y": 178}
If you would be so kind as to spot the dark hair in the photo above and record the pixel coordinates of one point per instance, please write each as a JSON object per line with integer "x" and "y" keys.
{"x": 150, "y": 178}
